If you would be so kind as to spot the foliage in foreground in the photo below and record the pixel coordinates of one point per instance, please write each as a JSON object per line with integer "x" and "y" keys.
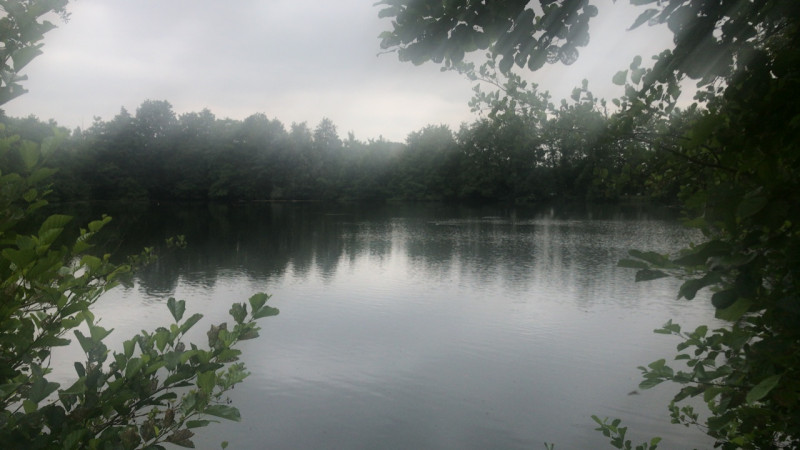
{"x": 159, "y": 387}
{"x": 735, "y": 153}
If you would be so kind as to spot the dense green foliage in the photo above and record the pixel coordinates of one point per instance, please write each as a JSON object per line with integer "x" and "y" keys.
{"x": 158, "y": 387}
{"x": 154, "y": 155}
{"x": 522, "y": 150}
{"x": 733, "y": 155}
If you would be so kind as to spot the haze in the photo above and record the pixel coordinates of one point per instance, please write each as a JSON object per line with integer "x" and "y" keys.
{"x": 293, "y": 60}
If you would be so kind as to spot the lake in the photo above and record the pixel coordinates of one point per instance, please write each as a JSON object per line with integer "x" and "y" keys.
{"x": 422, "y": 326}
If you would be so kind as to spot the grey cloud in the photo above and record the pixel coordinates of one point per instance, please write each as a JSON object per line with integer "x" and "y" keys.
{"x": 293, "y": 60}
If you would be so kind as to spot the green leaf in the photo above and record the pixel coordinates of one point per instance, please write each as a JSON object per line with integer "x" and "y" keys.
{"x": 206, "y": 381}
{"x": 171, "y": 360}
{"x": 750, "y": 206}
{"x": 699, "y": 255}
{"x": 20, "y": 258}
{"x": 670, "y": 327}
{"x": 36, "y": 205}
{"x": 657, "y": 365}
{"x": 97, "y": 225}
{"x": 636, "y": 75}
{"x": 506, "y": 63}
{"x": 72, "y": 308}
{"x": 620, "y": 77}
{"x": 30, "y": 195}
{"x": 25, "y": 55}
{"x": 763, "y": 388}
{"x": 187, "y": 355}
{"x": 98, "y": 333}
{"x": 41, "y": 388}
{"x": 266, "y": 311}
{"x": 710, "y": 393}
{"x": 199, "y": 423}
{"x": 648, "y": 274}
{"x": 181, "y": 438}
{"x": 637, "y": 61}
{"x": 81, "y": 245}
{"x": 724, "y": 299}
{"x": 177, "y": 308}
{"x": 128, "y": 346}
{"x": 92, "y": 262}
{"x": 258, "y": 300}
{"x": 52, "y": 341}
{"x": 55, "y": 221}
{"x": 50, "y": 144}
{"x": 650, "y": 382}
{"x": 229, "y": 355}
{"x": 689, "y": 288}
{"x": 643, "y": 17}
{"x": 700, "y": 331}
{"x": 26, "y": 242}
{"x": 249, "y": 334}
{"x": 653, "y": 258}
{"x": 48, "y": 237}
{"x": 79, "y": 387}
{"x": 74, "y": 439}
{"x": 189, "y": 323}
{"x": 162, "y": 337}
{"x": 239, "y": 312}
{"x": 223, "y": 411}
{"x": 86, "y": 344}
{"x": 40, "y": 174}
{"x": 79, "y": 369}
{"x": 29, "y": 152}
{"x": 632, "y": 264}
{"x": 390, "y": 11}
{"x": 29, "y": 406}
{"x": 134, "y": 365}
{"x": 735, "y": 311}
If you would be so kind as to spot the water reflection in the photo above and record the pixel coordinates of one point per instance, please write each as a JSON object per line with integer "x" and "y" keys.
{"x": 263, "y": 241}
{"x": 423, "y": 326}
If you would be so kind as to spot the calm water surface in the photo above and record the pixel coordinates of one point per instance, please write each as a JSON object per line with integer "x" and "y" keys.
{"x": 415, "y": 327}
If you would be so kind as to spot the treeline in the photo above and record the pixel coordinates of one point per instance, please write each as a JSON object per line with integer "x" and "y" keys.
{"x": 521, "y": 157}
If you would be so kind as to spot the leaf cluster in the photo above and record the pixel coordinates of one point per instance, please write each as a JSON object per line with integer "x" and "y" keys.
{"x": 156, "y": 390}
{"x": 513, "y": 32}
{"x": 22, "y": 27}
{"x": 616, "y": 435}
{"x": 739, "y": 187}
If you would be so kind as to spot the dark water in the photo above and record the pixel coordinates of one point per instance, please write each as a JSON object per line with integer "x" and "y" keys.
{"x": 416, "y": 327}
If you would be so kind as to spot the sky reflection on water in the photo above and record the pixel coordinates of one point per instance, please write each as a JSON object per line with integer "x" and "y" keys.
{"x": 422, "y": 327}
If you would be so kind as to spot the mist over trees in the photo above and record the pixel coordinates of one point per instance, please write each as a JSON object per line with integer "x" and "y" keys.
{"x": 154, "y": 154}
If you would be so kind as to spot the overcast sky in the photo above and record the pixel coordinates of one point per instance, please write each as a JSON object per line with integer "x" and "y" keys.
{"x": 293, "y": 60}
